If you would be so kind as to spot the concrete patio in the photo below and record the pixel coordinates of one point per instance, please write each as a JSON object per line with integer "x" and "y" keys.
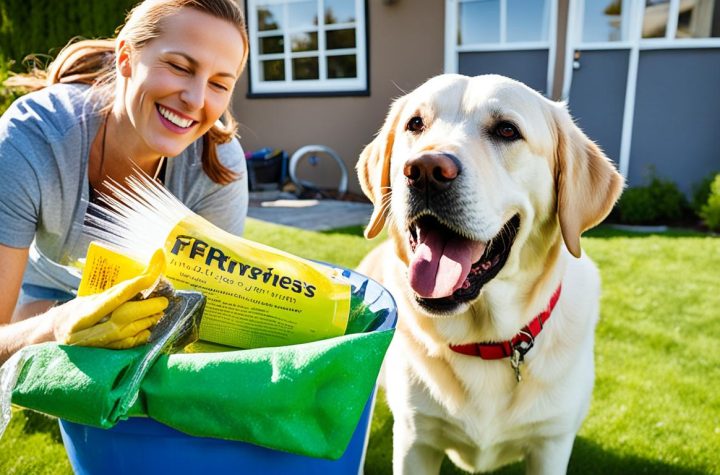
{"x": 316, "y": 215}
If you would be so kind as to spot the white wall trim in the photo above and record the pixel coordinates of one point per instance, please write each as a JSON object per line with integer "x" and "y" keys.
{"x": 519, "y": 46}
{"x": 672, "y": 23}
{"x": 573, "y": 35}
{"x": 631, "y": 89}
{"x": 552, "y": 10}
{"x": 451, "y": 53}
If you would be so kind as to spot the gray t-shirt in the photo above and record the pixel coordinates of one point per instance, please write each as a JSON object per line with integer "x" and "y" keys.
{"x": 45, "y": 140}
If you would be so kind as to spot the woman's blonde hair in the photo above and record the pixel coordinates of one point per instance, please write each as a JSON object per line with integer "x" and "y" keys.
{"x": 93, "y": 62}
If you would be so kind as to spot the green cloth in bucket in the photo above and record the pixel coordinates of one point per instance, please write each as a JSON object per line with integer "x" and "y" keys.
{"x": 305, "y": 399}
{"x": 81, "y": 384}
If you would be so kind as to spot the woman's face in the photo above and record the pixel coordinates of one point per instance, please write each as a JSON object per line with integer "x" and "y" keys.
{"x": 179, "y": 84}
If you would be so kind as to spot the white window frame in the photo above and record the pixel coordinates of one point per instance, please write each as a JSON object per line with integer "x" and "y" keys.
{"x": 453, "y": 50}
{"x": 323, "y": 85}
{"x": 633, "y": 16}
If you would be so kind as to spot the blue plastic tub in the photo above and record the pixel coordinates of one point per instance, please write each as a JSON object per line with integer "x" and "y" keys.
{"x": 141, "y": 445}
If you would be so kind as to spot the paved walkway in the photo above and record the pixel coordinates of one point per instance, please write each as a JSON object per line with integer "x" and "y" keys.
{"x": 315, "y": 215}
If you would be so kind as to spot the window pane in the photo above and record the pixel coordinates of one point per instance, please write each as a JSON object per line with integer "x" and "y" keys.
{"x": 305, "y": 68}
{"x": 339, "y": 11}
{"x": 302, "y": 14}
{"x": 655, "y": 18}
{"x": 271, "y": 44}
{"x": 273, "y": 70}
{"x": 304, "y": 41}
{"x": 695, "y": 20}
{"x": 343, "y": 66}
{"x": 602, "y": 21}
{"x": 269, "y": 17}
{"x": 526, "y": 20}
{"x": 479, "y": 22}
{"x": 337, "y": 39}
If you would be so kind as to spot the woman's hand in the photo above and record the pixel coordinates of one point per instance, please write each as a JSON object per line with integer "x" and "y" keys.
{"x": 109, "y": 319}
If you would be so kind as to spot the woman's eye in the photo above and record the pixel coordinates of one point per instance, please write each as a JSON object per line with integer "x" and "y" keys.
{"x": 507, "y": 131}
{"x": 219, "y": 86}
{"x": 179, "y": 68}
{"x": 415, "y": 125}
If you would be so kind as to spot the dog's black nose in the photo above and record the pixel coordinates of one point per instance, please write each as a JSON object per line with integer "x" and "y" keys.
{"x": 434, "y": 171}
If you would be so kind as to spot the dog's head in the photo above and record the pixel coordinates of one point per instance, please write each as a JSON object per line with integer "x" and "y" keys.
{"x": 468, "y": 172}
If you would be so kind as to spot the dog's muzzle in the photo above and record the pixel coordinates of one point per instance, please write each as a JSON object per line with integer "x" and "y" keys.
{"x": 432, "y": 173}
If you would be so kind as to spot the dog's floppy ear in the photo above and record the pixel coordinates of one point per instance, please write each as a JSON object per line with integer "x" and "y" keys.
{"x": 373, "y": 169}
{"x": 587, "y": 183}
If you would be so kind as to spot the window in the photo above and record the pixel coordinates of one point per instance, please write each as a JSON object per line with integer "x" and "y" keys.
{"x": 309, "y": 47}
{"x": 605, "y": 21}
{"x": 681, "y": 19}
{"x": 486, "y": 22}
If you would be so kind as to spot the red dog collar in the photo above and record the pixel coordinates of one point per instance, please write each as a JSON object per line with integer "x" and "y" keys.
{"x": 520, "y": 343}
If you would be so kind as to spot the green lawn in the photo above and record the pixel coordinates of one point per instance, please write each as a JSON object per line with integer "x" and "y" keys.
{"x": 656, "y": 406}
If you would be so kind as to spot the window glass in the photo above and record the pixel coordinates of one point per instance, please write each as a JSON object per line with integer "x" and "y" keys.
{"x": 273, "y": 70}
{"x": 269, "y": 17}
{"x": 304, "y": 41}
{"x": 527, "y": 20}
{"x": 305, "y": 68}
{"x": 699, "y": 19}
{"x": 479, "y": 22}
{"x": 342, "y": 66}
{"x": 293, "y": 50}
{"x": 655, "y": 18}
{"x": 339, "y": 11}
{"x": 339, "y": 39}
{"x": 271, "y": 44}
{"x": 302, "y": 14}
{"x": 602, "y": 21}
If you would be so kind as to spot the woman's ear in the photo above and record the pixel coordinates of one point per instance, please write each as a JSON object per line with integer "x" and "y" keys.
{"x": 123, "y": 58}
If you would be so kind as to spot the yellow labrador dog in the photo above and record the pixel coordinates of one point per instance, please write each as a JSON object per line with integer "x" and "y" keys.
{"x": 485, "y": 187}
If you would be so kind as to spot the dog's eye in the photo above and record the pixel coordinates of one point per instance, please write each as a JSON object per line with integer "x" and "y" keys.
{"x": 507, "y": 131}
{"x": 415, "y": 125}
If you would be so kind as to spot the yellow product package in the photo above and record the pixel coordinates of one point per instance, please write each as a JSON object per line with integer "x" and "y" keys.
{"x": 257, "y": 296}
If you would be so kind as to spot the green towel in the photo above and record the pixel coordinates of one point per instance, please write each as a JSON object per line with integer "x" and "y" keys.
{"x": 305, "y": 399}
{"x": 81, "y": 384}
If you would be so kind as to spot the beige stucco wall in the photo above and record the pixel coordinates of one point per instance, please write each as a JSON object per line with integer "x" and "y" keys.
{"x": 405, "y": 49}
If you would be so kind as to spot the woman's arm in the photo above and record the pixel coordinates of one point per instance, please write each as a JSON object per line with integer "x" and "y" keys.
{"x": 14, "y": 336}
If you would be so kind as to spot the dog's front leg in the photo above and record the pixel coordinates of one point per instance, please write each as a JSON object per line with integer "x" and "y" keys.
{"x": 412, "y": 456}
{"x": 549, "y": 456}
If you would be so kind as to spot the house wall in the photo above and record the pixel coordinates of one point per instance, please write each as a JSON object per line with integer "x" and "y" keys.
{"x": 597, "y": 97}
{"x": 405, "y": 48}
{"x": 677, "y": 114}
{"x": 530, "y": 67}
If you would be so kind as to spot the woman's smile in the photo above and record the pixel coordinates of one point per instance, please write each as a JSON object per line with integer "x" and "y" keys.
{"x": 174, "y": 121}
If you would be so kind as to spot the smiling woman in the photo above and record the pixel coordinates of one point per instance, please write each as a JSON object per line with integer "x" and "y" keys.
{"x": 150, "y": 99}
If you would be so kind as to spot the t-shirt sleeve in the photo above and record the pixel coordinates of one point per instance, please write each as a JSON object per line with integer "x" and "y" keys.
{"x": 226, "y": 206}
{"x": 19, "y": 190}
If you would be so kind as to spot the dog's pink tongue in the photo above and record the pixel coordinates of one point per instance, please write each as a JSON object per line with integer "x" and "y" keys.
{"x": 440, "y": 265}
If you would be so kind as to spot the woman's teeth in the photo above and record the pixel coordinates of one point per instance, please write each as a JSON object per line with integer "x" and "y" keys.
{"x": 174, "y": 118}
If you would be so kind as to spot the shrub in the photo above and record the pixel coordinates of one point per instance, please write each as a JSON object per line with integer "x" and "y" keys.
{"x": 45, "y": 26}
{"x": 710, "y": 211}
{"x": 701, "y": 192}
{"x": 7, "y": 96}
{"x": 660, "y": 202}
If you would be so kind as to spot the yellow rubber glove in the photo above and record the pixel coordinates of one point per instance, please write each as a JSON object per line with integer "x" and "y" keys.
{"x": 108, "y": 319}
